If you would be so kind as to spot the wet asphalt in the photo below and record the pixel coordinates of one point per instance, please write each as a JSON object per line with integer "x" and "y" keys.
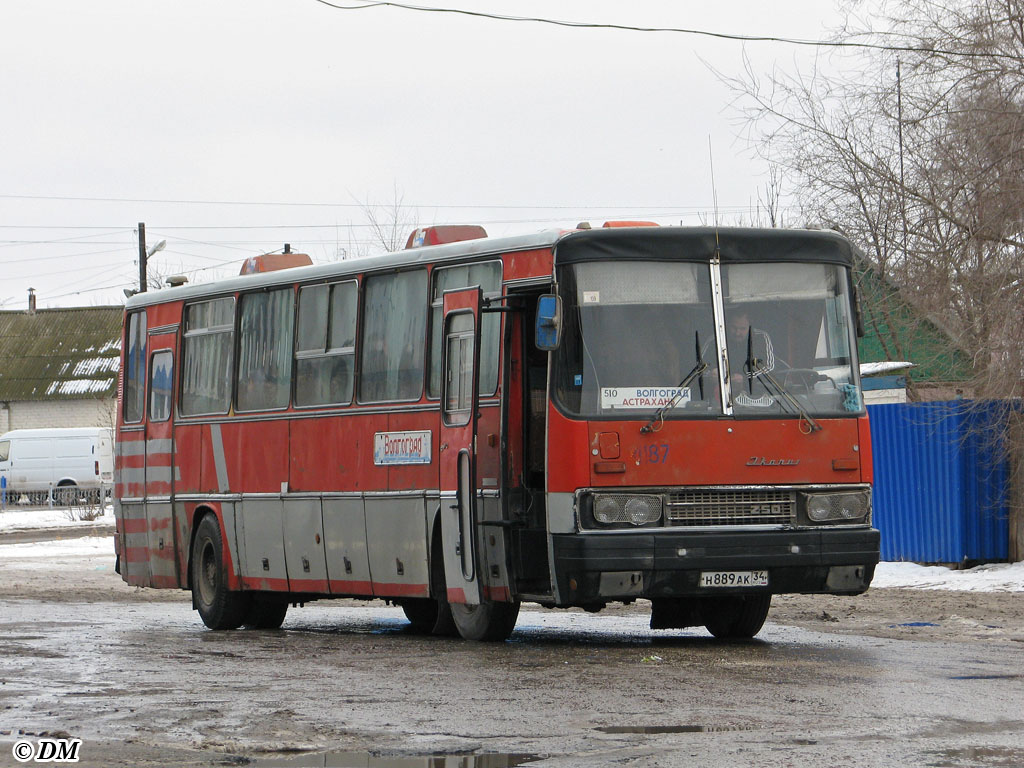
{"x": 344, "y": 684}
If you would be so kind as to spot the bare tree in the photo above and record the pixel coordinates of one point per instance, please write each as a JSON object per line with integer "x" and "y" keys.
{"x": 389, "y": 224}
{"x": 925, "y": 170}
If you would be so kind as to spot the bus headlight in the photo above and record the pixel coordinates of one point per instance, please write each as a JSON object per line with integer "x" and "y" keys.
{"x": 607, "y": 510}
{"x": 610, "y": 509}
{"x": 643, "y": 509}
{"x": 844, "y": 507}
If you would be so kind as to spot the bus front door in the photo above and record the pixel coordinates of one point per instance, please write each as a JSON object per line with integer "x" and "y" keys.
{"x": 457, "y": 449}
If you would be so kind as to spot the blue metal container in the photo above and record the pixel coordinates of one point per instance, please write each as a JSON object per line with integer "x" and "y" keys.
{"x": 941, "y": 481}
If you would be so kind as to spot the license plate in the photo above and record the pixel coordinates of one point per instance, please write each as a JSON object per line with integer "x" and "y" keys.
{"x": 734, "y": 578}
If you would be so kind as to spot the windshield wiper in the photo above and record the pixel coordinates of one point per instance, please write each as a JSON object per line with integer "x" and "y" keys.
{"x": 696, "y": 371}
{"x": 780, "y": 392}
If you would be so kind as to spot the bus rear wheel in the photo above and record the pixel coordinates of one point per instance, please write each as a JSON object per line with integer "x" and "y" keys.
{"x": 265, "y": 612}
{"x": 428, "y": 616}
{"x": 218, "y": 606}
{"x": 488, "y": 621}
{"x": 736, "y": 616}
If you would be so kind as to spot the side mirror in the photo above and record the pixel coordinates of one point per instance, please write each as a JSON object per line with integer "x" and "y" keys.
{"x": 549, "y": 322}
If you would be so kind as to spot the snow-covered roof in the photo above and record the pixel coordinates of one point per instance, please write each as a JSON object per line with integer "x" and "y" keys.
{"x": 874, "y": 369}
{"x": 60, "y": 354}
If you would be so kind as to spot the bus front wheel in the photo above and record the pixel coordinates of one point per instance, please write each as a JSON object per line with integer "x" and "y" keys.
{"x": 735, "y": 617}
{"x": 218, "y": 606}
{"x": 486, "y": 621}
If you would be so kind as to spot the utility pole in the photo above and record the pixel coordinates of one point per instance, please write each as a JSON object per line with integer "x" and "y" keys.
{"x": 142, "y": 257}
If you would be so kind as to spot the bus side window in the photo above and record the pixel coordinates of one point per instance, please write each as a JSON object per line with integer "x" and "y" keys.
{"x": 488, "y": 277}
{"x": 265, "y": 350}
{"x": 207, "y": 357}
{"x": 394, "y": 331}
{"x": 160, "y": 383}
{"x": 325, "y": 345}
{"x": 135, "y": 368}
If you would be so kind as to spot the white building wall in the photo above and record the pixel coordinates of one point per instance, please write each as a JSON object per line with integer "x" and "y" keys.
{"x": 59, "y": 413}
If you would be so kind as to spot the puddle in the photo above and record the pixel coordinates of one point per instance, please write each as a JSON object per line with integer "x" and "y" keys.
{"x": 655, "y": 729}
{"x": 973, "y": 756}
{"x": 368, "y": 760}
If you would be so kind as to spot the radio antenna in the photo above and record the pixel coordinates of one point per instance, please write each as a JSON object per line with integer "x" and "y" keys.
{"x": 714, "y": 192}
{"x": 714, "y": 187}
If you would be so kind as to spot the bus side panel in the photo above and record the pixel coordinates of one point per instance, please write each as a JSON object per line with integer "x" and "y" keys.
{"x": 568, "y": 453}
{"x": 348, "y": 564}
{"x": 404, "y": 477}
{"x": 491, "y": 543}
{"x": 396, "y": 534}
{"x": 304, "y": 546}
{"x": 212, "y": 466}
{"x": 130, "y": 466}
{"x": 488, "y": 448}
{"x": 164, "y": 314}
{"x": 188, "y": 457}
{"x": 256, "y": 456}
{"x": 132, "y": 526}
{"x": 162, "y": 548}
{"x": 867, "y": 467}
{"x": 525, "y": 264}
{"x": 335, "y": 454}
{"x": 262, "y": 544}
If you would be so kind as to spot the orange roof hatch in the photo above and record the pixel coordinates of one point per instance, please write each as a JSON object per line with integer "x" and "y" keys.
{"x": 449, "y": 233}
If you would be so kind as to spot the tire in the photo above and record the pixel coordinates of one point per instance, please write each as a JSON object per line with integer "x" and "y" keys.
{"x": 675, "y": 613}
{"x": 218, "y": 606}
{"x": 443, "y": 625}
{"x": 488, "y": 621}
{"x": 265, "y": 612}
{"x": 423, "y": 614}
{"x": 736, "y": 617}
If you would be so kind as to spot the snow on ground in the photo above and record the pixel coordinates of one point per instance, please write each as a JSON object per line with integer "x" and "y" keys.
{"x": 995, "y": 577}
{"x": 87, "y": 546}
{"x": 15, "y": 517}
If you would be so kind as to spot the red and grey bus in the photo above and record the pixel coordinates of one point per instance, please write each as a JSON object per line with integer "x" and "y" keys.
{"x": 571, "y": 419}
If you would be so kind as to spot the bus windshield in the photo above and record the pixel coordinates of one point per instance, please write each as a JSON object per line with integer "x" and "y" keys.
{"x": 635, "y": 331}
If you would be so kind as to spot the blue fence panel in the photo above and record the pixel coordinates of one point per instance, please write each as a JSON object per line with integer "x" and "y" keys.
{"x": 940, "y": 490}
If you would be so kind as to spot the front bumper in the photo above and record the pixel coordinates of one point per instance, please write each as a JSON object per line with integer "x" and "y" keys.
{"x": 597, "y": 568}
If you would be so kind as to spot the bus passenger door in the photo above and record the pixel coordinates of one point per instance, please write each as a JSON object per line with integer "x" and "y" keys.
{"x": 163, "y": 550}
{"x": 457, "y": 444}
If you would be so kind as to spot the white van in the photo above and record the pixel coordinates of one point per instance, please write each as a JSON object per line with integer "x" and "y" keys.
{"x": 35, "y": 460}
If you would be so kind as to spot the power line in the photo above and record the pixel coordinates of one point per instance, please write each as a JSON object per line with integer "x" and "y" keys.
{"x": 365, "y": 4}
{"x": 361, "y": 206}
{"x": 5, "y": 261}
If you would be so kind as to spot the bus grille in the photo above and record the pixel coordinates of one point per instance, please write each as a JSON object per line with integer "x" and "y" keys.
{"x": 731, "y": 507}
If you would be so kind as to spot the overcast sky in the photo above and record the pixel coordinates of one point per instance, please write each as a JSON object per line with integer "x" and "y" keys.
{"x": 215, "y": 122}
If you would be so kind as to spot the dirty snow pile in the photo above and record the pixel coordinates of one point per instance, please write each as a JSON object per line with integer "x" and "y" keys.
{"x": 994, "y": 577}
